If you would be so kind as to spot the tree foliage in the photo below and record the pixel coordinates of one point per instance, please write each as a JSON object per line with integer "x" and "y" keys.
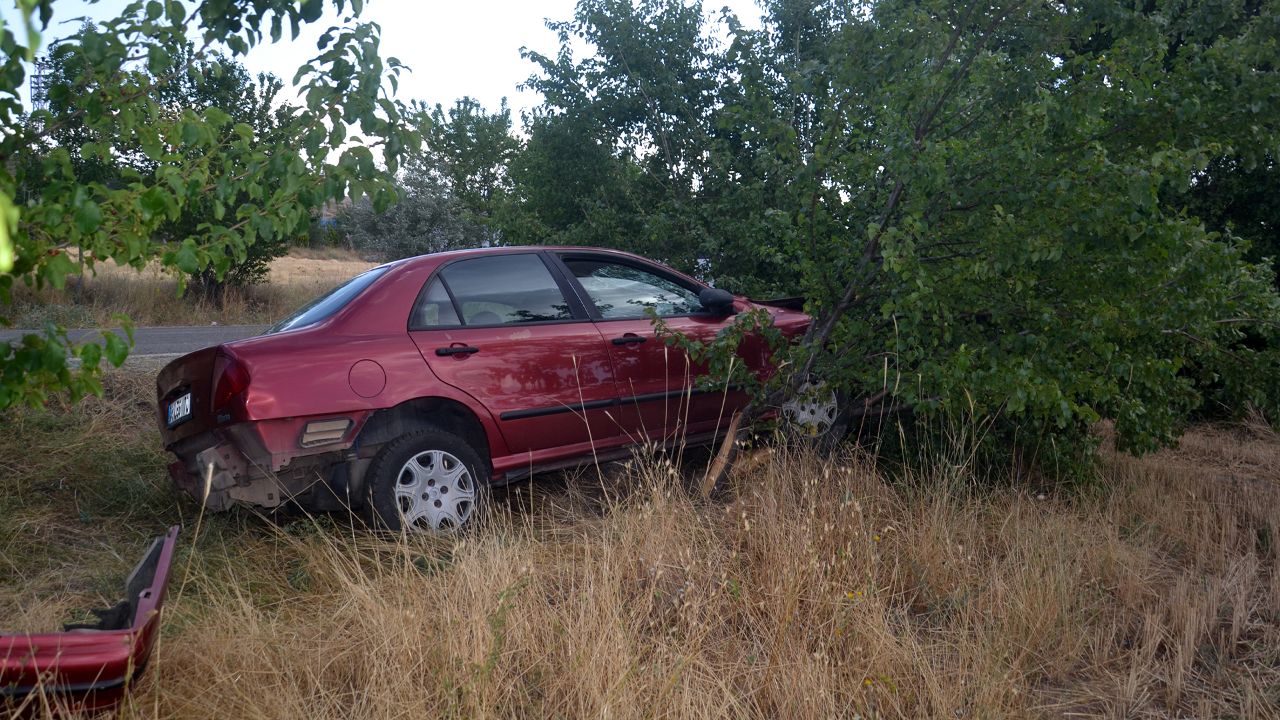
{"x": 467, "y": 150}
{"x": 199, "y": 82}
{"x": 991, "y": 208}
{"x": 255, "y": 188}
{"x": 1048, "y": 213}
{"x": 426, "y": 218}
{"x": 454, "y": 195}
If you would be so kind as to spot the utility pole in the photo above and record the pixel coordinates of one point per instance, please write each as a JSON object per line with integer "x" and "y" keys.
{"x": 40, "y": 76}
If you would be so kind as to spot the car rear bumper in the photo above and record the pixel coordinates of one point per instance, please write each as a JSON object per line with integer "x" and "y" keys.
{"x": 90, "y": 668}
{"x": 221, "y": 475}
{"x": 262, "y": 464}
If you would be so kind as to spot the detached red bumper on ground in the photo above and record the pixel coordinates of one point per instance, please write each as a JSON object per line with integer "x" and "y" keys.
{"x": 90, "y": 667}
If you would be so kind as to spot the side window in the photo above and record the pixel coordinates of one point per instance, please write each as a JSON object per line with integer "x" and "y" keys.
{"x": 624, "y": 291}
{"x": 505, "y": 290}
{"x": 434, "y": 308}
{"x": 325, "y": 306}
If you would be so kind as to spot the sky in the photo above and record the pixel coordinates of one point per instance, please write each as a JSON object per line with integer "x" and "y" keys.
{"x": 467, "y": 47}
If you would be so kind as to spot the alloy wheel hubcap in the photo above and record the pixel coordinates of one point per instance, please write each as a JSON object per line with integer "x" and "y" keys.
{"x": 435, "y": 491}
{"x": 813, "y": 409}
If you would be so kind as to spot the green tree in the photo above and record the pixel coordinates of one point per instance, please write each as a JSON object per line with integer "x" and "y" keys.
{"x": 220, "y": 82}
{"x": 984, "y": 204}
{"x": 256, "y": 190}
{"x": 629, "y": 135}
{"x": 570, "y": 186}
{"x": 467, "y": 150}
{"x": 456, "y": 194}
{"x": 427, "y": 218}
{"x": 199, "y": 82}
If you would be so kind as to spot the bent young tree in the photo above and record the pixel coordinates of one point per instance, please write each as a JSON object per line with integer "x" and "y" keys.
{"x": 985, "y": 205}
{"x": 57, "y": 220}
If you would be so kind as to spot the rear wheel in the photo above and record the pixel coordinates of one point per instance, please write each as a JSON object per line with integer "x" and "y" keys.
{"x": 427, "y": 481}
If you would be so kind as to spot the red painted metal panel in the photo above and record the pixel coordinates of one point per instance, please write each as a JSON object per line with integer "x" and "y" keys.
{"x": 90, "y": 669}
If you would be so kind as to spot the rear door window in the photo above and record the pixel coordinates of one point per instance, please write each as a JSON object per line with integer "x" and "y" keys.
{"x": 434, "y": 308}
{"x": 504, "y": 290}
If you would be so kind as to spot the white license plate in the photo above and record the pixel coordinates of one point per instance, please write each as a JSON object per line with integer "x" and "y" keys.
{"x": 180, "y": 410}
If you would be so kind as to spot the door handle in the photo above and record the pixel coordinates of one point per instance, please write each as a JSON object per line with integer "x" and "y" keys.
{"x": 456, "y": 350}
{"x": 628, "y": 339}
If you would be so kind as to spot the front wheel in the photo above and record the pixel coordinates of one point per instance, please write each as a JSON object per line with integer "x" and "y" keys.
{"x": 817, "y": 415}
{"x": 427, "y": 481}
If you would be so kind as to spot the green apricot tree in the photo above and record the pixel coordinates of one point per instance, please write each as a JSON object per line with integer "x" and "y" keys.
{"x": 348, "y": 139}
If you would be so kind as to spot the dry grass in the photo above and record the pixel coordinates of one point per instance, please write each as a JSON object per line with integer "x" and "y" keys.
{"x": 150, "y": 297}
{"x": 816, "y": 590}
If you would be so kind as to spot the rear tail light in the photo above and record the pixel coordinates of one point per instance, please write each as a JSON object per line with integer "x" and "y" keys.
{"x": 229, "y": 388}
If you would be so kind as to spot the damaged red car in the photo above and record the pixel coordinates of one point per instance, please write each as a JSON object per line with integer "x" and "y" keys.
{"x": 408, "y": 391}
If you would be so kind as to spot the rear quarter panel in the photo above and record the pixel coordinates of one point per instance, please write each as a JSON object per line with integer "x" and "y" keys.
{"x": 306, "y": 373}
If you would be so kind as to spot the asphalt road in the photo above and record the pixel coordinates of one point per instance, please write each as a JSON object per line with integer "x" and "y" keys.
{"x": 163, "y": 341}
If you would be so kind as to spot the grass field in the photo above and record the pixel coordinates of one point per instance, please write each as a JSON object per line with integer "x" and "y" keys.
{"x": 150, "y": 297}
{"x": 814, "y": 590}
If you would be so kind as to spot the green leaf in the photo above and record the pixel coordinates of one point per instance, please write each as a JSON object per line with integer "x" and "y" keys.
{"x": 311, "y": 10}
{"x": 57, "y": 268}
{"x": 157, "y": 59}
{"x": 190, "y": 133}
{"x": 116, "y": 349}
{"x": 87, "y": 216}
{"x": 90, "y": 354}
{"x": 177, "y": 13}
{"x": 186, "y": 259}
{"x": 8, "y": 223}
{"x": 154, "y": 202}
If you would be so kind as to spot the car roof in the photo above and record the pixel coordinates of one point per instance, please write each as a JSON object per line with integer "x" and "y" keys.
{"x": 508, "y": 249}
{"x": 435, "y": 259}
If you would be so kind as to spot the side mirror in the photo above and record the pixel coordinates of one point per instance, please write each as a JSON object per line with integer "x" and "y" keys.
{"x": 716, "y": 301}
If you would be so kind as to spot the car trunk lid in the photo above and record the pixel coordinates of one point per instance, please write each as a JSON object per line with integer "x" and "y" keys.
{"x": 190, "y": 378}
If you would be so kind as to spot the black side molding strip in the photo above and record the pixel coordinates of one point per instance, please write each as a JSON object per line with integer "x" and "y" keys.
{"x": 557, "y": 409}
{"x": 597, "y": 404}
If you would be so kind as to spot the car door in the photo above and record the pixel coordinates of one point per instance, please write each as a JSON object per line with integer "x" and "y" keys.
{"x": 503, "y": 329}
{"x": 664, "y": 394}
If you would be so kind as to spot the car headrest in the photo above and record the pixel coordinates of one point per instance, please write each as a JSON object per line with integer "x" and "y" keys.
{"x": 486, "y": 317}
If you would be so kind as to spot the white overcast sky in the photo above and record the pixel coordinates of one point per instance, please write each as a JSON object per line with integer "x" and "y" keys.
{"x": 470, "y": 47}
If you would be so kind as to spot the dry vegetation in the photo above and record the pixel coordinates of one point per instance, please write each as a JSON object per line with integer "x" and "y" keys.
{"x": 150, "y": 297}
{"x": 815, "y": 589}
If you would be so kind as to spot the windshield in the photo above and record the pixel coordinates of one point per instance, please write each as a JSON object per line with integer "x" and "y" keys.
{"x": 331, "y": 302}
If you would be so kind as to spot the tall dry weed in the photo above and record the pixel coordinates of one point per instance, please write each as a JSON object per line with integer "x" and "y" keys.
{"x": 814, "y": 588}
{"x": 151, "y": 296}
{"x": 819, "y": 589}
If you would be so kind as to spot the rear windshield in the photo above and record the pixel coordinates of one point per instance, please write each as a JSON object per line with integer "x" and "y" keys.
{"x": 331, "y": 302}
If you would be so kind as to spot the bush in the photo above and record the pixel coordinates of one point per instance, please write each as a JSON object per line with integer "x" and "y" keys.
{"x": 427, "y": 219}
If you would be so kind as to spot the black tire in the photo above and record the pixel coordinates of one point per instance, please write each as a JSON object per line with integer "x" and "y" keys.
{"x": 390, "y": 477}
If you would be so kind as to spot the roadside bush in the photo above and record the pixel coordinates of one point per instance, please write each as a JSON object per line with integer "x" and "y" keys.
{"x": 323, "y": 236}
{"x": 427, "y": 219}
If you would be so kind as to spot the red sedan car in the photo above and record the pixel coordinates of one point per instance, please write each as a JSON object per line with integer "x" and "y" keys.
{"x": 409, "y": 390}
